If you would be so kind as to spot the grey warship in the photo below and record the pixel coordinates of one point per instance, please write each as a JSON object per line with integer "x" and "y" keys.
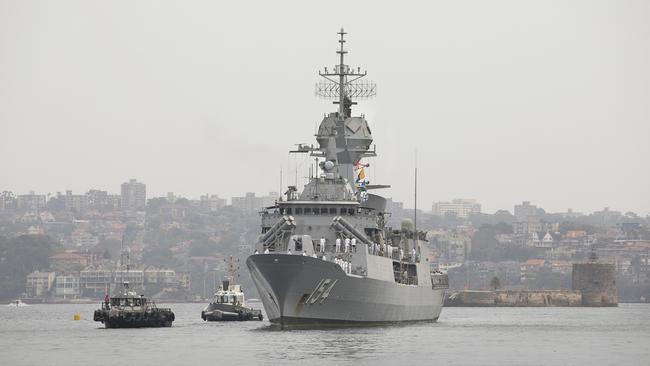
{"x": 326, "y": 256}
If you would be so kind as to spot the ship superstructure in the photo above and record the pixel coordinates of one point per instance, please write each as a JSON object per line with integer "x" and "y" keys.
{"x": 326, "y": 256}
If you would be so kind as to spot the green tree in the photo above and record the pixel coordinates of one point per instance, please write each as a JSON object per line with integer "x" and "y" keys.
{"x": 19, "y": 257}
{"x": 495, "y": 283}
{"x": 154, "y": 204}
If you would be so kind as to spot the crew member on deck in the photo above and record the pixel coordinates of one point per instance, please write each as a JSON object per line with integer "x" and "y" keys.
{"x": 347, "y": 245}
{"x": 322, "y": 244}
{"x": 338, "y": 245}
{"x": 353, "y": 244}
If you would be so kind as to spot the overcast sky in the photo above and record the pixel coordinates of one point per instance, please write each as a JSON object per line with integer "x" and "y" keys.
{"x": 547, "y": 101}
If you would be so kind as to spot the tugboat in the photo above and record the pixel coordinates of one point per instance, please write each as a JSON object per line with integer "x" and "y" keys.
{"x": 128, "y": 310}
{"x": 228, "y": 303}
{"x": 132, "y": 311}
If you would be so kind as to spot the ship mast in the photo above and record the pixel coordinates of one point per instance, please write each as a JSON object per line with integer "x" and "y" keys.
{"x": 341, "y": 67}
{"x": 341, "y": 85}
{"x": 124, "y": 253}
{"x": 232, "y": 267}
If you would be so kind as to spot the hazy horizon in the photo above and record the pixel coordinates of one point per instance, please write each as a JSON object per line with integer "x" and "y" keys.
{"x": 504, "y": 101}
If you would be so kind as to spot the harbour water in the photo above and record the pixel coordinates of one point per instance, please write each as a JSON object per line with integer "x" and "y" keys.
{"x": 48, "y": 335}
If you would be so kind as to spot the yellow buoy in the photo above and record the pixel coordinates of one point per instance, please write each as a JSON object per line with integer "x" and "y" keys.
{"x": 77, "y": 316}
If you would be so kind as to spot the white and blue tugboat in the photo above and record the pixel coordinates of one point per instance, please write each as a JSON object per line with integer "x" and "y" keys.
{"x": 229, "y": 303}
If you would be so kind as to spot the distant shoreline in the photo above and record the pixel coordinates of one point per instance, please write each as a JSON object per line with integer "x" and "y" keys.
{"x": 95, "y": 301}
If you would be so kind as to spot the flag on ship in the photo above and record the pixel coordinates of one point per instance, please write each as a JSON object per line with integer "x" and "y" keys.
{"x": 362, "y": 176}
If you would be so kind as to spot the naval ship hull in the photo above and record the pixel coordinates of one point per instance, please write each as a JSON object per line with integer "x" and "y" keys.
{"x": 305, "y": 292}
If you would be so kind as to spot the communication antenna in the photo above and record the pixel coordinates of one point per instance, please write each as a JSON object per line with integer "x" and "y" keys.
{"x": 341, "y": 84}
{"x": 125, "y": 254}
{"x": 415, "y": 198}
{"x": 415, "y": 210}
{"x": 122, "y": 261}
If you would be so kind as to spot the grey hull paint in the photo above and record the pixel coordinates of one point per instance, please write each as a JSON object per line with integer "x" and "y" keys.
{"x": 285, "y": 281}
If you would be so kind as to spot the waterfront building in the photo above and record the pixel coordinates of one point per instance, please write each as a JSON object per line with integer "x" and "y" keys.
{"x": 70, "y": 262}
{"x": 184, "y": 280}
{"x": 135, "y": 277}
{"x": 461, "y": 207}
{"x": 4, "y": 202}
{"x": 531, "y": 269}
{"x": 134, "y": 195}
{"x": 160, "y": 276}
{"x": 67, "y": 287}
{"x": 95, "y": 281}
{"x": 39, "y": 284}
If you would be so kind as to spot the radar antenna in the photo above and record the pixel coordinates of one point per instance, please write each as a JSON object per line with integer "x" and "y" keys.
{"x": 342, "y": 83}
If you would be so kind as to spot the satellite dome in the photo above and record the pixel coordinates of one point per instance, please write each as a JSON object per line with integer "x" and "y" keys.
{"x": 329, "y": 165}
